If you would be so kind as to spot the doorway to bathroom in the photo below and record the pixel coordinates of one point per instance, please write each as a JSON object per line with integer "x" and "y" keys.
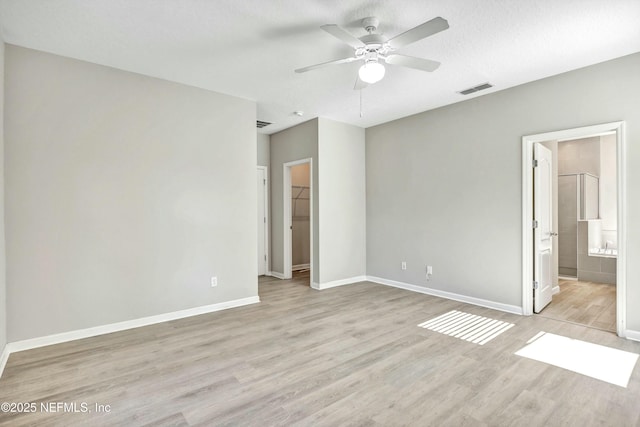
{"x": 586, "y": 217}
{"x": 573, "y": 249}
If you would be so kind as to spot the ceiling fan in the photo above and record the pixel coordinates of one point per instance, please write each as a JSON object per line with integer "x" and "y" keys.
{"x": 374, "y": 49}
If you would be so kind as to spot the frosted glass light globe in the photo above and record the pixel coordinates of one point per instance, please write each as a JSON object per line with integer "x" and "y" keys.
{"x": 371, "y": 72}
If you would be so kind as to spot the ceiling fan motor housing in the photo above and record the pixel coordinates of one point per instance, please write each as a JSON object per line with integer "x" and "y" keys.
{"x": 373, "y": 39}
{"x": 370, "y": 24}
{"x": 375, "y": 45}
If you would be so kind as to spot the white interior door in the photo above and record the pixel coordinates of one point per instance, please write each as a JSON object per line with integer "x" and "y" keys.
{"x": 542, "y": 233}
{"x": 262, "y": 222}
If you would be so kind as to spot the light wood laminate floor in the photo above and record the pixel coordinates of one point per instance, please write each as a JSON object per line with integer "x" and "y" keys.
{"x": 586, "y": 303}
{"x": 350, "y": 355}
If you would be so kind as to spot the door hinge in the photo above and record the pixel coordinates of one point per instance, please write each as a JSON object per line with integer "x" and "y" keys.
{"x": 264, "y": 181}
{"x": 265, "y": 219}
{"x": 535, "y": 223}
{"x": 535, "y": 284}
{"x": 535, "y": 163}
{"x": 265, "y": 257}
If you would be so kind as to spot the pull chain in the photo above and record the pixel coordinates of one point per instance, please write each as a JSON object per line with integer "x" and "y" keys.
{"x": 361, "y": 103}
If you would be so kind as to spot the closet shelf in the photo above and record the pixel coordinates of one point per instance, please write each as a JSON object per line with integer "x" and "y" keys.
{"x": 300, "y": 194}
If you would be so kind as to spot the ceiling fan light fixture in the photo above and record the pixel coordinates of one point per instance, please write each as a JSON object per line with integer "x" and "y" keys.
{"x": 371, "y": 72}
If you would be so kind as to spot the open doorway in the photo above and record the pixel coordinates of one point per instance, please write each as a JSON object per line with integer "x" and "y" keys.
{"x": 298, "y": 220}
{"x": 573, "y": 253}
{"x": 585, "y": 231}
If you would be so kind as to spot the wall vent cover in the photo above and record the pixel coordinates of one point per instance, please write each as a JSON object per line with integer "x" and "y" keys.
{"x": 262, "y": 124}
{"x": 483, "y": 86}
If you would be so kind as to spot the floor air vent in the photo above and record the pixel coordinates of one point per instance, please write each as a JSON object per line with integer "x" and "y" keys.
{"x": 483, "y": 86}
{"x": 262, "y": 124}
{"x": 469, "y": 327}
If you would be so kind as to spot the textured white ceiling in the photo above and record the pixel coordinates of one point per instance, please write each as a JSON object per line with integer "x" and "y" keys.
{"x": 249, "y": 48}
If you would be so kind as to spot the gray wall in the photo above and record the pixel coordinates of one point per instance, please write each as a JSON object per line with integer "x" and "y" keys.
{"x": 296, "y": 143}
{"x": 342, "y": 187}
{"x": 3, "y": 282}
{"x": 124, "y": 195}
{"x": 263, "y": 149}
{"x": 444, "y": 186}
{"x": 337, "y": 149}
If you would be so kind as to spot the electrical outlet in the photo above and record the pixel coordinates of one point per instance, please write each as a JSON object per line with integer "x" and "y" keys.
{"x": 214, "y": 281}
{"x": 404, "y": 265}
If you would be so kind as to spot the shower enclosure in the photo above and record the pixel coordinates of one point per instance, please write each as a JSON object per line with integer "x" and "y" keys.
{"x": 578, "y": 199}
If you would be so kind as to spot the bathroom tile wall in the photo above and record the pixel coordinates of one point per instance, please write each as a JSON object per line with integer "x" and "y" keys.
{"x": 593, "y": 268}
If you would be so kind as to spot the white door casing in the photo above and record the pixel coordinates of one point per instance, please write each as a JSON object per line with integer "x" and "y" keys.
{"x": 528, "y": 142}
{"x": 262, "y": 220}
{"x": 543, "y": 232}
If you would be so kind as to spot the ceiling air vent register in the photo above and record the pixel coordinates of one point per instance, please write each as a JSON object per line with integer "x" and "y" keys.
{"x": 483, "y": 86}
{"x": 262, "y": 124}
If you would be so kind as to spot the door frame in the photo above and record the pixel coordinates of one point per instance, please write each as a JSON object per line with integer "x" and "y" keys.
{"x": 527, "y": 212}
{"x": 267, "y": 225}
{"x": 286, "y": 216}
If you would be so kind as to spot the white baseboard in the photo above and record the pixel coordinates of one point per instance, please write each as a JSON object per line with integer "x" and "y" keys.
{"x": 301, "y": 267}
{"x": 555, "y": 290}
{"x": 448, "y": 295}
{"x": 341, "y": 282}
{"x": 632, "y": 335}
{"x": 3, "y": 359}
{"x": 29, "y": 344}
{"x": 276, "y": 275}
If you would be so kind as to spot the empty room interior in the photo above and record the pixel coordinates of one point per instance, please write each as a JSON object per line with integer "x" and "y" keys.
{"x": 319, "y": 213}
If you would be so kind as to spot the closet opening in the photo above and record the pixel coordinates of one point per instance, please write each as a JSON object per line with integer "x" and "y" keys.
{"x": 298, "y": 217}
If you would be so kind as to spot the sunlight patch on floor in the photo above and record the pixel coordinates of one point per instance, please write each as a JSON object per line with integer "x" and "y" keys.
{"x": 596, "y": 361}
{"x": 469, "y": 327}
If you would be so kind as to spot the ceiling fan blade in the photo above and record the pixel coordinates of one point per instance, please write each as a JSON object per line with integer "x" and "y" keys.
{"x": 412, "y": 62}
{"x": 360, "y": 84}
{"x": 341, "y": 34}
{"x": 420, "y": 32}
{"x": 325, "y": 64}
